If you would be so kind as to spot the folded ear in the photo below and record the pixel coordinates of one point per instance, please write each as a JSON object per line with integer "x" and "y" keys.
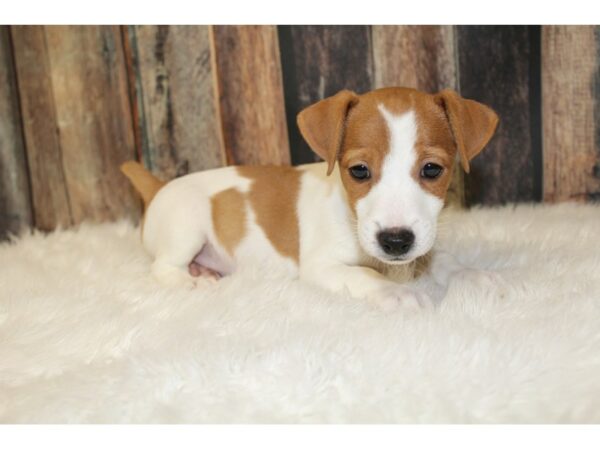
{"x": 322, "y": 125}
{"x": 472, "y": 123}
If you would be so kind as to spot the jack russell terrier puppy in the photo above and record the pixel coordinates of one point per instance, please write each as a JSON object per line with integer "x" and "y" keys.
{"x": 345, "y": 223}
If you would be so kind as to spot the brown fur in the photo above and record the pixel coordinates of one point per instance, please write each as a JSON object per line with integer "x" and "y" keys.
{"x": 322, "y": 125}
{"x": 228, "y": 211}
{"x": 146, "y": 184}
{"x": 273, "y": 196}
{"x": 445, "y": 121}
{"x": 472, "y": 123}
{"x": 367, "y": 139}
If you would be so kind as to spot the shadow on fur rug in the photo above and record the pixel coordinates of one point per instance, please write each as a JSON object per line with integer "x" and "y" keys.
{"x": 86, "y": 335}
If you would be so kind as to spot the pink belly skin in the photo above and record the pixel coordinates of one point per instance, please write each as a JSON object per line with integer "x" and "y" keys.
{"x": 208, "y": 263}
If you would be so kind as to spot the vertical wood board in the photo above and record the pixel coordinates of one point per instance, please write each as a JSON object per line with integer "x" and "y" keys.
{"x": 176, "y": 99}
{"x": 250, "y": 94}
{"x": 15, "y": 201}
{"x": 571, "y": 119}
{"x": 318, "y": 61}
{"x": 50, "y": 197}
{"x": 499, "y": 66}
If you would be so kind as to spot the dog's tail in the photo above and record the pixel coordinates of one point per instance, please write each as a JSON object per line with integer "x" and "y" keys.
{"x": 143, "y": 181}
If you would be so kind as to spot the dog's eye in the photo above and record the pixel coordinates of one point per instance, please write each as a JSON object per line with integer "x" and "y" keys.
{"x": 360, "y": 172}
{"x": 431, "y": 171}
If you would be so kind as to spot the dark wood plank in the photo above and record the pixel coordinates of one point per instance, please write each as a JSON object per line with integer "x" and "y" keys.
{"x": 421, "y": 57}
{"x": 250, "y": 93}
{"x": 176, "y": 99}
{"x": 317, "y": 62}
{"x": 86, "y": 108}
{"x": 571, "y": 112}
{"x": 15, "y": 200}
{"x": 499, "y": 66}
{"x": 49, "y": 193}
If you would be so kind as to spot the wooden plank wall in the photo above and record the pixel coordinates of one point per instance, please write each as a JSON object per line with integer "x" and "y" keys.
{"x": 571, "y": 112}
{"x": 77, "y": 101}
{"x": 499, "y": 66}
{"x": 76, "y": 122}
{"x": 15, "y": 198}
{"x": 50, "y": 200}
{"x": 319, "y": 61}
{"x": 250, "y": 94}
{"x": 178, "y": 129}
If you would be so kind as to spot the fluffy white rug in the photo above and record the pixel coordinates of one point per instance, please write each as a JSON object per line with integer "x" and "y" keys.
{"x": 87, "y": 336}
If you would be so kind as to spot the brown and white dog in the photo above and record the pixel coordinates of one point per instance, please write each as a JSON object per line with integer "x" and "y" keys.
{"x": 372, "y": 204}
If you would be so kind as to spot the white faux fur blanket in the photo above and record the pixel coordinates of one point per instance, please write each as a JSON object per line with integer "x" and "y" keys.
{"x": 86, "y": 335}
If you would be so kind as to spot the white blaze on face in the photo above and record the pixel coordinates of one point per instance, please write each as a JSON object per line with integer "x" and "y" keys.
{"x": 397, "y": 200}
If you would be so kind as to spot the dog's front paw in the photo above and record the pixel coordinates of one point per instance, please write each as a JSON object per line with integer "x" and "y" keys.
{"x": 394, "y": 297}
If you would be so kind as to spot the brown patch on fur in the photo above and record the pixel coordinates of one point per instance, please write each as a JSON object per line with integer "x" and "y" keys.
{"x": 367, "y": 137}
{"x": 274, "y": 196}
{"x": 445, "y": 122}
{"x": 473, "y": 124}
{"x": 436, "y": 155}
{"x": 366, "y": 141}
{"x": 228, "y": 211}
{"x": 146, "y": 184}
{"x": 322, "y": 125}
{"x": 435, "y": 144}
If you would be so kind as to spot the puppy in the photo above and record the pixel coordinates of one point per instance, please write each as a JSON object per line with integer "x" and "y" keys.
{"x": 357, "y": 221}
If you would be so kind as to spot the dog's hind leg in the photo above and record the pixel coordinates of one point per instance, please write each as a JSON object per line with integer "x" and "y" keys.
{"x": 175, "y": 248}
{"x": 172, "y": 268}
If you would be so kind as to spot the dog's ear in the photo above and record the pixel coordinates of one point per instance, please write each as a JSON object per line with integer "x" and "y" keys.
{"x": 472, "y": 123}
{"x": 322, "y": 125}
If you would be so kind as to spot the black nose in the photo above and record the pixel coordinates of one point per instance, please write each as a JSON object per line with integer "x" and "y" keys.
{"x": 396, "y": 241}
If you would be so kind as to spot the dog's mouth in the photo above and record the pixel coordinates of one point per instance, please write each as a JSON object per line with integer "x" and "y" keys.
{"x": 393, "y": 260}
{"x": 397, "y": 260}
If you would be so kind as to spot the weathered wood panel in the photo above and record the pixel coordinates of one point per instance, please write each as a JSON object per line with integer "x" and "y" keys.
{"x": 15, "y": 201}
{"x": 74, "y": 85}
{"x": 415, "y": 56}
{"x": 250, "y": 93}
{"x": 571, "y": 112}
{"x": 499, "y": 66}
{"x": 421, "y": 57}
{"x": 50, "y": 198}
{"x": 174, "y": 89}
{"x": 317, "y": 62}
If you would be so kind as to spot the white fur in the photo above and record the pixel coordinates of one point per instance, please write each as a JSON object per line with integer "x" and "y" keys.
{"x": 178, "y": 224}
{"x": 333, "y": 248}
{"x": 87, "y": 335}
{"x": 397, "y": 200}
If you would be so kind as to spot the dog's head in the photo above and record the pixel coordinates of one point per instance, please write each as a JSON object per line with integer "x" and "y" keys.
{"x": 395, "y": 148}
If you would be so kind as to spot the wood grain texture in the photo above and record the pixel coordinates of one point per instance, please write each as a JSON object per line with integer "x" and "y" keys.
{"x": 176, "y": 99}
{"x": 421, "y": 57}
{"x": 250, "y": 94}
{"x": 15, "y": 200}
{"x": 50, "y": 197}
{"x": 570, "y": 99}
{"x": 85, "y": 116}
{"x": 417, "y": 56}
{"x": 499, "y": 66}
{"x": 318, "y": 61}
